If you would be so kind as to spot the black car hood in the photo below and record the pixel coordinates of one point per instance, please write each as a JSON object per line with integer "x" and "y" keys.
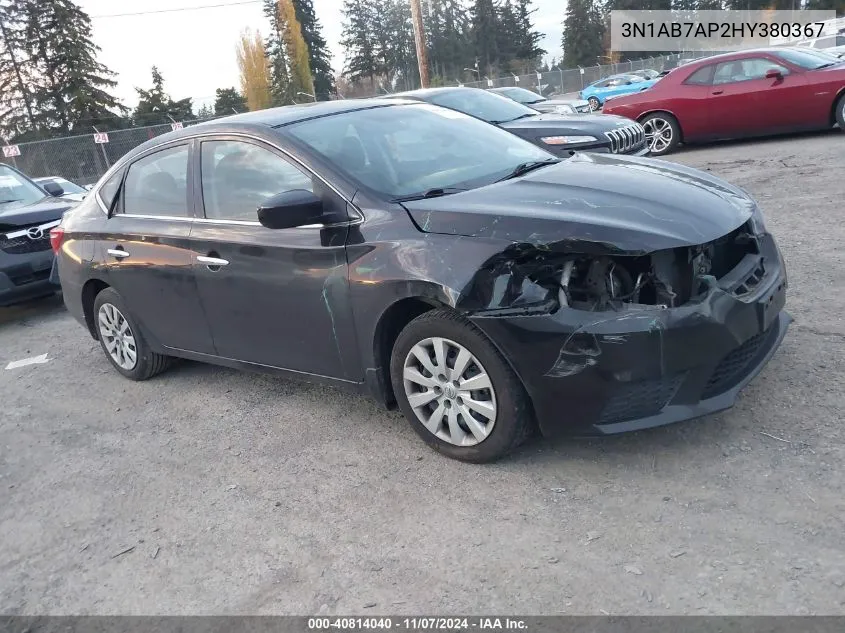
{"x": 593, "y": 124}
{"x": 594, "y": 203}
{"x": 42, "y": 211}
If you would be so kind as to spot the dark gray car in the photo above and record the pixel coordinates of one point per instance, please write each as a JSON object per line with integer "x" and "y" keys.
{"x": 557, "y": 133}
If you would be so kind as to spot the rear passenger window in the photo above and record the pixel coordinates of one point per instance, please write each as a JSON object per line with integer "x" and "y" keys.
{"x": 109, "y": 189}
{"x": 701, "y": 77}
{"x": 158, "y": 184}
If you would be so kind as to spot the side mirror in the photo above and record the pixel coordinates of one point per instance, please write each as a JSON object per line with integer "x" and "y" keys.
{"x": 54, "y": 189}
{"x": 291, "y": 209}
{"x": 774, "y": 73}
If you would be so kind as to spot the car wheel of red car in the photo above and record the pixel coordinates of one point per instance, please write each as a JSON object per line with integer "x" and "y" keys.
{"x": 840, "y": 112}
{"x": 662, "y": 133}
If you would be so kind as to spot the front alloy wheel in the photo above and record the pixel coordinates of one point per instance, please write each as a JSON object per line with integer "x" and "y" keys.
{"x": 449, "y": 391}
{"x": 595, "y": 104}
{"x": 117, "y": 337}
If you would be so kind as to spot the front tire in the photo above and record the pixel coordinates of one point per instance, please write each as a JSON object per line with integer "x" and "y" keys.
{"x": 662, "y": 133}
{"x": 122, "y": 340}
{"x": 456, "y": 389}
{"x": 595, "y": 104}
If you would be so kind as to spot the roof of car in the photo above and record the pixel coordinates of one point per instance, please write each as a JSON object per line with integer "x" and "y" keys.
{"x": 428, "y": 92}
{"x": 285, "y": 115}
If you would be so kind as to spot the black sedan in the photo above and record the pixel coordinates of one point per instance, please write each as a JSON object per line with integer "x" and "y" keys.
{"x": 434, "y": 261}
{"x": 541, "y": 103}
{"x": 558, "y": 133}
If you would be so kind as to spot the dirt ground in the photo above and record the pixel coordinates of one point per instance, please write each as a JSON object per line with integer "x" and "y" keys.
{"x": 211, "y": 491}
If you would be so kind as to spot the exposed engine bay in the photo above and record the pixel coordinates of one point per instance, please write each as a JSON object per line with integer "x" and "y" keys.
{"x": 529, "y": 276}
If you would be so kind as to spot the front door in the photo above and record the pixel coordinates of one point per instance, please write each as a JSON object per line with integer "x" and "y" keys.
{"x": 145, "y": 251}
{"x": 745, "y": 103}
{"x": 273, "y": 297}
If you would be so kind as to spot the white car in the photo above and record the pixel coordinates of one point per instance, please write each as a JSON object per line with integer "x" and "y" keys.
{"x": 59, "y": 187}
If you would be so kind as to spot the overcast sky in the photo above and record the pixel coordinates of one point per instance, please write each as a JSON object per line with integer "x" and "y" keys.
{"x": 195, "y": 50}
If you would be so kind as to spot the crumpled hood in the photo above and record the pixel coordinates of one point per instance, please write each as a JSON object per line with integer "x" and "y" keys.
{"x": 594, "y": 203}
{"x": 44, "y": 210}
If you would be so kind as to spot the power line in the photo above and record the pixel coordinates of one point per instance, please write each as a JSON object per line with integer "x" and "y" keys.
{"x": 206, "y": 6}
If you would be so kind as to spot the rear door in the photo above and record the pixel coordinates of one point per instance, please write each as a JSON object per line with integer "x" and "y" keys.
{"x": 273, "y": 297}
{"x": 145, "y": 249}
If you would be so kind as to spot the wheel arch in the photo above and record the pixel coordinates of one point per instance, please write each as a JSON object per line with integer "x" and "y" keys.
{"x": 663, "y": 111}
{"x": 90, "y": 290}
{"x": 836, "y": 101}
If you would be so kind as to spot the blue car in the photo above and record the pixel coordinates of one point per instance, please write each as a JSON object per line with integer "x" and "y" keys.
{"x": 597, "y": 93}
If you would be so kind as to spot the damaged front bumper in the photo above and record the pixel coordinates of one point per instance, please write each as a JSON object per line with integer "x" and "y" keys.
{"x": 596, "y": 373}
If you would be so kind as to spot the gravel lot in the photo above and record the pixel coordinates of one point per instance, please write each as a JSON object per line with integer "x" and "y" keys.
{"x": 252, "y": 494}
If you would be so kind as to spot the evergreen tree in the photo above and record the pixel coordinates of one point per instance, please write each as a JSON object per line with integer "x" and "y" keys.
{"x": 228, "y": 101}
{"x": 583, "y": 29}
{"x": 156, "y": 107}
{"x": 277, "y": 55}
{"x": 358, "y": 40}
{"x": 528, "y": 44}
{"x": 507, "y": 36}
{"x": 319, "y": 55}
{"x": 205, "y": 112}
{"x": 448, "y": 28}
{"x": 69, "y": 87}
{"x": 485, "y": 25}
{"x": 17, "y": 116}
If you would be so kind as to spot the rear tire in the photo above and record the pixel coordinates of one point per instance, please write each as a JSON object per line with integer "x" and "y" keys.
{"x": 595, "y": 104}
{"x": 662, "y": 133}
{"x": 840, "y": 113}
{"x": 122, "y": 340}
{"x": 468, "y": 402}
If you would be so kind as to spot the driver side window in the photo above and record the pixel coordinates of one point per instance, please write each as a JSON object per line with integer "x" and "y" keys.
{"x": 237, "y": 178}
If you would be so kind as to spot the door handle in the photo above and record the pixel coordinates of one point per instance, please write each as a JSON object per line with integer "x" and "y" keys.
{"x": 212, "y": 262}
{"x": 119, "y": 253}
{"x": 717, "y": 92}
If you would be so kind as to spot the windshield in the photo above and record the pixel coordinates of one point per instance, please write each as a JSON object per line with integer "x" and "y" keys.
{"x": 523, "y": 96}
{"x": 809, "y": 59}
{"x": 485, "y": 105}
{"x": 17, "y": 190}
{"x": 68, "y": 186}
{"x": 410, "y": 149}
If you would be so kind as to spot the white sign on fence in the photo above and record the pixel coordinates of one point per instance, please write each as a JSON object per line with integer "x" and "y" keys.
{"x": 489, "y": 83}
{"x": 101, "y": 137}
{"x": 11, "y": 150}
{"x": 581, "y": 69}
{"x": 539, "y": 79}
{"x": 175, "y": 126}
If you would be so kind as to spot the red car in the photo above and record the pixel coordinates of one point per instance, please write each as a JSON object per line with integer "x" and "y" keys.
{"x": 748, "y": 93}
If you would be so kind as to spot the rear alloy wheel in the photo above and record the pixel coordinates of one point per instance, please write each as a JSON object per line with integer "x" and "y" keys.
{"x": 595, "y": 104}
{"x": 456, "y": 390}
{"x": 662, "y": 133}
{"x": 122, "y": 340}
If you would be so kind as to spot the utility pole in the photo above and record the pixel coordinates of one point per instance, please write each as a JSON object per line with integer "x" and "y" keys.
{"x": 419, "y": 38}
{"x": 21, "y": 85}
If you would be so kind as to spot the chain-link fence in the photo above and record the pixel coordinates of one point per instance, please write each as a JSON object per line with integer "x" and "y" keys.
{"x": 571, "y": 80}
{"x": 81, "y": 159}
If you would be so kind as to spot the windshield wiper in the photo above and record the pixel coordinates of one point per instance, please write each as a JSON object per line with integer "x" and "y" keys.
{"x": 436, "y": 192}
{"x": 10, "y": 200}
{"x": 524, "y": 168}
{"x": 521, "y": 116}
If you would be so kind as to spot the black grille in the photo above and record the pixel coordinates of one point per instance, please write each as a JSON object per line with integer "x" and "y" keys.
{"x": 640, "y": 399}
{"x": 626, "y": 139}
{"x": 23, "y": 244}
{"x": 733, "y": 367}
